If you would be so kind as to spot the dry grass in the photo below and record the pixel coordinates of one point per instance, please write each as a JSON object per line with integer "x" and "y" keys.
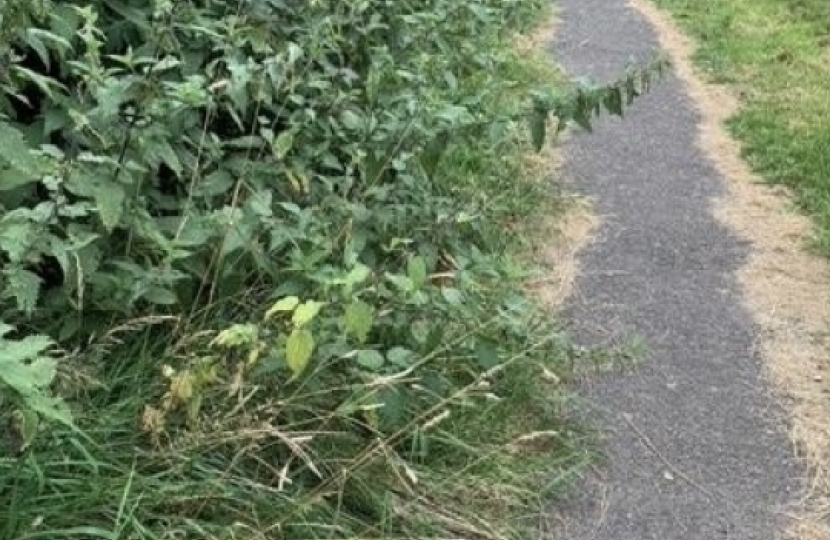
{"x": 558, "y": 250}
{"x": 786, "y": 288}
{"x": 560, "y": 235}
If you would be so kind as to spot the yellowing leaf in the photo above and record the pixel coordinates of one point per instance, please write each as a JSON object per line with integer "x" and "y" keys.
{"x": 181, "y": 386}
{"x": 306, "y": 312}
{"x": 298, "y": 350}
{"x": 356, "y": 276}
{"x": 358, "y": 319}
{"x": 25, "y": 423}
{"x": 284, "y": 304}
{"x": 237, "y": 335}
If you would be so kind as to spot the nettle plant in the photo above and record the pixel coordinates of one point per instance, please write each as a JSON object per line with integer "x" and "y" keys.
{"x": 161, "y": 157}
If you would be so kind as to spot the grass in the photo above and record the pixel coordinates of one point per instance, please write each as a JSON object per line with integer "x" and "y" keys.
{"x": 776, "y": 53}
{"x": 308, "y": 460}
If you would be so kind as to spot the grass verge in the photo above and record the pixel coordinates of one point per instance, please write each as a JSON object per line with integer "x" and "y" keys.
{"x": 776, "y": 53}
{"x": 187, "y": 431}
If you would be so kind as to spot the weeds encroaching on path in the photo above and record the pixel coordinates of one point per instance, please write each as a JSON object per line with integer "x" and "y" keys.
{"x": 259, "y": 273}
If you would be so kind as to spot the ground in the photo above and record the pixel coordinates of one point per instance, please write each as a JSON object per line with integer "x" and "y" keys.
{"x": 707, "y": 265}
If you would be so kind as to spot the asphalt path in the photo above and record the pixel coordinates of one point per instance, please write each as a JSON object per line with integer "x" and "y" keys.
{"x": 696, "y": 444}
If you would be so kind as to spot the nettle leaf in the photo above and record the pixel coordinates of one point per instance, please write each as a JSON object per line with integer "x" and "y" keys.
{"x": 370, "y": 359}
{"x": 358, "y": 320}
{"x": 16, "y": 238}
{"x": 24, "y": 286}
{"x": 613, "y": 100}
{"x": 109, "y": 201}
{"x": 21, "y": 366}
{"x": 12, "y": 178}
{"x": 298, "y": 350}
{"x": 169, "y": 157}
{"x": 15, "y": 151}
{"x": 216, "y": 183}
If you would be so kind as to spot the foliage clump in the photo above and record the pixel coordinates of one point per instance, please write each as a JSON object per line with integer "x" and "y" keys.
{"x": 271, "y": 240}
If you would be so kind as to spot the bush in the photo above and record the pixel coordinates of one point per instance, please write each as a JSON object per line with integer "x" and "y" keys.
{"x": 188, "y": 152}
{"x": 269, "y": 238}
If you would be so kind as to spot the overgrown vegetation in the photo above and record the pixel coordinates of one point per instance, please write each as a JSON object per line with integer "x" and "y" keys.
{"x": 258, "y": 269}
{"x": 776, "y": 52}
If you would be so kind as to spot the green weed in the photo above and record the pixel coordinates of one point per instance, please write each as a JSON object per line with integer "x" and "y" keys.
{"x": 280, "y": 265}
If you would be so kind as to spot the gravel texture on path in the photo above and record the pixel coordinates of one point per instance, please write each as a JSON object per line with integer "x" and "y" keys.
{"x": 697, "y": 445}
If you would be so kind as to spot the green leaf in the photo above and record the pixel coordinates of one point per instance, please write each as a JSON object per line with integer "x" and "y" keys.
{"x": 284, "y": 304}
{"x": 538, "y": 120}
{"x": 24, "y": 286}
{"x": 160, "y": 296}
{"x": 356, "y": 276}
{"x": 49, "y": 407}
{"x": 283, "y": 144}
{"x": 613, "y": 100}
{"x": 631, "y": 89}
{"x": 394, "y": 408}
{"x": 350, "y": 120}
{"x": 370, "y": 359}
{"x": 216, "y": 183}
{"x": 416, "y": 269}
{"x": 16, "y": 238}
{"x": 12, "y": 178}
{"x": 401, "y": 357}
{"x": 306, "y": 312}
{"x": 358, "y": 320}
{"x": 15, "y": 151}
{"x": 487, "y": 355}
{"x": 109, "y": 201}
{"x": 22, "y": 368}
{"x": 403, "y": 283}
{"x": 170, "y": 158}
{"x": 298, "y": 349}
{"x": 452, "y": 296}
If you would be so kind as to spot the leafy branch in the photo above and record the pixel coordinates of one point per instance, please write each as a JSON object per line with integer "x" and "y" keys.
{"x": 588, "y": 100}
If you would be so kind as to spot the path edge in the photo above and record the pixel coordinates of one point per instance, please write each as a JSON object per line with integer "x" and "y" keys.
{"x": 786, "y": 289}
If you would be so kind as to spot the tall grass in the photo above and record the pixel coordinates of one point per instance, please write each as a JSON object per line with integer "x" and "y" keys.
{"x": 183, "y": 437}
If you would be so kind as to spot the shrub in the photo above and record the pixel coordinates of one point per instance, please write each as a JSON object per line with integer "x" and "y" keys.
{"x": 269, "y": 237}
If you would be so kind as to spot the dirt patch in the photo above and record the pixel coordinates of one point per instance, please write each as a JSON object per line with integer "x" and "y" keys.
{"x": 558, "y": 239}
{"x": 786, "y": 288}
{"x": 558, "y": 252}
{"x": 540, "y": 38}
